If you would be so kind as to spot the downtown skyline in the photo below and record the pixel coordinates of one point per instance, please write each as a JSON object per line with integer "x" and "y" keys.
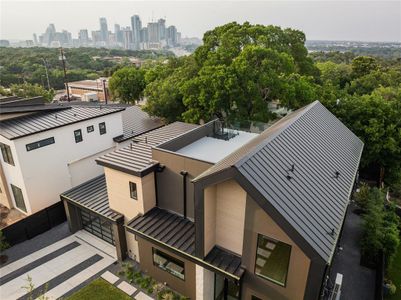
{"x": 135, "y": 36}
{"x": 319, "y": 20}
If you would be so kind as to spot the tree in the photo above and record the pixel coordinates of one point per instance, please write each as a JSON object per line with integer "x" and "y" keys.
{"x": 337, "y": 74}
{"x": 377, "y": 122}
{"x": 127, "y": 84}
{"x": 27, "y": 90}
{"x": 237, "y": 71}
{"x": 363, "y": 65}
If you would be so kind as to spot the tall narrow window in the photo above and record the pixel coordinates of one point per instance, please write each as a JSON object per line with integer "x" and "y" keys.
{"x": 272, "y": 260}
{"x": 133, "y": 191}
{"x": 78, "y": 135}
{"x": 102, "y": 128}
{"x": 7, "y": 154}
{"x": 18, "y": 197}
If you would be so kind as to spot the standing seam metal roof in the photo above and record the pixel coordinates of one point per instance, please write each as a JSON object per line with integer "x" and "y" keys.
{"x": 313, "y": 200}
{"x": 137, "y": 157}
{"x": 93, "y": 196}
{"x": 178, "y": 233}
{"x": 30, "y": 124}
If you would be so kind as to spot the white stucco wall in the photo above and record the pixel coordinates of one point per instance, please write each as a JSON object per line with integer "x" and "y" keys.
{"x": 204, "y": 283}
{"x": 46, "y": 172}
{"x": 13, "y": 174}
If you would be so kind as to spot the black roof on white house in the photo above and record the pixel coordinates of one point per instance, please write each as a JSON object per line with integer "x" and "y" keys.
{"x": 33, "y": 115}
{"x": 304, "y": 166}
{"x": 42, "y": 121}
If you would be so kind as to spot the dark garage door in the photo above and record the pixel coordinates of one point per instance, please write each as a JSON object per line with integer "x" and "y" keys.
{"x": 97, "y": 226}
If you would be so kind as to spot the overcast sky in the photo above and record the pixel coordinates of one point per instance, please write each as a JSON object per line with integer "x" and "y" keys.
{"x": 320, "y": 20}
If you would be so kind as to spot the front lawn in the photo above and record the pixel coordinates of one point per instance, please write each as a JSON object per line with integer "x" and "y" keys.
{"x": 394, "y": 274}
{"x": 99, "y": 289}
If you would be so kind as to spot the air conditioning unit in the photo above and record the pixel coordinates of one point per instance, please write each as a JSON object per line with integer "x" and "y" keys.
{"x": 336, "y": 293}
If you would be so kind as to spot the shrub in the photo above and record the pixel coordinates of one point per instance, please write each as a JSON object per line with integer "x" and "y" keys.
{"x": 380, "y": 229}
{"x": 362, "y": 197}
{"x": 128, "y": 270}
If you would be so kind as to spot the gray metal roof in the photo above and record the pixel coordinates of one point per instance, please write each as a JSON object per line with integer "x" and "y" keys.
{"x": 168, "y": 228}
{"x": 178, "y": 233}
{"x": 312, "y": 199}
{"x": 224, "y": 260}
{"x": 31, "y": 124}
{"x": 135, "y": 122}
{"x": 92, "y": 195}
{"x": 137, "y": 157}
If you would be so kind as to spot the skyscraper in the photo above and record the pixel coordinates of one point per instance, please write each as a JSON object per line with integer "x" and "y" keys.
{"x": 162, "y": 29}
{"x": 104, "y": 32}
{"x": 136, "y": 26}
{"x": 127, "y": 34}
{"x": 144, "y": 38}
{"x": 171, "y": 36}
{"x": 83, "y": 37}
{"x": 118, "y": 33}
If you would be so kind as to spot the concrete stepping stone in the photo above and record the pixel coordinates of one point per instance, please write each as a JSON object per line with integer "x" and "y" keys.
{"x": 143, "y": 296}
{"x": 127, "y": 288}
{"x": 110, "y": 277}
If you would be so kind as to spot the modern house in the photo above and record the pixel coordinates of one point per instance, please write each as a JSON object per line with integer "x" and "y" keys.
{"x": 221, "y": 213}
{"x": 48, "y": 148}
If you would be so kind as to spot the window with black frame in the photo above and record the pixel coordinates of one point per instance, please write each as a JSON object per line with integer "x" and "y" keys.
{"x": 90, "y": 129}
{"x": 169, "y": 264}
{"x": 18, "y": 197}
{"x": 102, "y": 128}
{"x": 272, "y": 260}
{"x": 39, "y": 144}
{"x": 133, "y": 190}
{"x": 7, "y": 154}
{"x": 78, "y": 135}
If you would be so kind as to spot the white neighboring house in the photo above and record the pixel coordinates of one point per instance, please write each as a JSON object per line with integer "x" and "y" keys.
{"x": 47, "y": 151}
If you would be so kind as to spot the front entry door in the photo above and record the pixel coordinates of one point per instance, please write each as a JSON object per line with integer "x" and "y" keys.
{"x": 225, "y": 289}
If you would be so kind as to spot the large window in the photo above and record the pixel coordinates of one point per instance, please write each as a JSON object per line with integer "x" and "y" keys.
{"x": 7, "y": 154}
{"x": 18, "y": 197}
{"x": 272, "y": 260}
{"x": 169, "y": 264}
{"x": 39, "y": 144}
{"x": 133, "y": 191}
{"x": 102, "y": 128}
{"x": 78, "y": 135}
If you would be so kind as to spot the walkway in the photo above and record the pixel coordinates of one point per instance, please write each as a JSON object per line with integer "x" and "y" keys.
{"x": 127, "y": 288}
{"x": 59, "y": 267}
{"x": 358, "y": 281}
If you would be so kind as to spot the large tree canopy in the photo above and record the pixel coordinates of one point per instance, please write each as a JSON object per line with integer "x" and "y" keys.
{"x": 127, "y": 84}
{"x": 237, "y": 71}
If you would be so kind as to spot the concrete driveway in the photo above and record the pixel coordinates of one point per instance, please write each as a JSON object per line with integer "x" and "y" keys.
{"x": 58, "y": 268}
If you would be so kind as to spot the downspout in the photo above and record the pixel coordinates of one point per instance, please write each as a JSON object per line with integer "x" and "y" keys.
{"x": 184, "y": 188}
{"x": 159, "y": 169}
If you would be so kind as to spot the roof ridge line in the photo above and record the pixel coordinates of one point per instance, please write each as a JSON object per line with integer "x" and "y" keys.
{"x": 271, "y": 137}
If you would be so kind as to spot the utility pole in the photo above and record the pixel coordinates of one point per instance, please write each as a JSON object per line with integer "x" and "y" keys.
{"x": 62, "y": 58}
{"x": 104, "y": 90}
{"x": 47, "y": 73}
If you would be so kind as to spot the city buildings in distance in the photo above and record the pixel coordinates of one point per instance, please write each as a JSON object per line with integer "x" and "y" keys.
{"x": 155, "y": 35}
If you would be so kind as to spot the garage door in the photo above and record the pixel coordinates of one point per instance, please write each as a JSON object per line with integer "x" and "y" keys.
{"x": 97, "y": 226}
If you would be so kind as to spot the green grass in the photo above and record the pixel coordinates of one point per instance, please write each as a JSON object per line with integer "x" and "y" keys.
{"x": 99, "y": 289}
{"x": 394, "y": 274}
